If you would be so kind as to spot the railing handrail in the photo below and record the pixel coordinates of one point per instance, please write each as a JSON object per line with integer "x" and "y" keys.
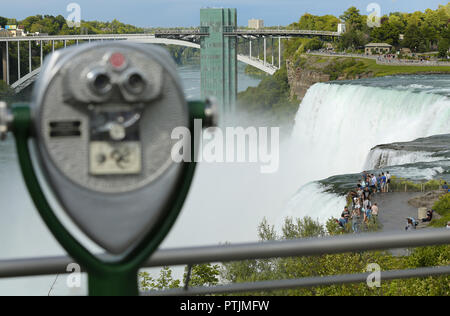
{"x": 248, "y": 251}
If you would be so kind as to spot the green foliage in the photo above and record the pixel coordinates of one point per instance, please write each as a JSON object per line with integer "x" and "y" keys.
{"x": 353, "y": 39}
{"x": 201, "y": 275}
{"x": 429, "y": 257}
{"x": 302, "y": 228}
{"x": 271, "y": 98}
{"x": 183, "y": 55}
{"x": 3, "y": 21}
{"x": 204, "y": 275}
{"x": 255, "y": 72}
{"x": 165, "y": 281}
{"x": 314, "y": 44}
{"x": 353, "y": 19}
{"x": 444, "y": 45}
{"x": 5, "y": 90}
{"x": 442, "y": 207}
{"x": 318, "y": 23}
{"x": 347, "y": 68}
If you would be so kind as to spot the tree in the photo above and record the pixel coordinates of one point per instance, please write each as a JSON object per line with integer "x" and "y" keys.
{"x": 353, "y": 19}
{"x": 204, "y": 275}
{"x": 3, "y": 21}
{"x": 352, "y": 39}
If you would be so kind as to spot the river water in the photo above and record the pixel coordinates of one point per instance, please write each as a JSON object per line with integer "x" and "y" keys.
{"x": 336, "y": 127}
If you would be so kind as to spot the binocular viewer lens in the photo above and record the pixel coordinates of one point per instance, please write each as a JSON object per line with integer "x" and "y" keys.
{"x": 135, "y": 83}
{"x": 101, "y": 83}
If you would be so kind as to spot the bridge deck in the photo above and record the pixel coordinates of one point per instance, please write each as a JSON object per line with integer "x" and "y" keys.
{"x": 170, "y": 33}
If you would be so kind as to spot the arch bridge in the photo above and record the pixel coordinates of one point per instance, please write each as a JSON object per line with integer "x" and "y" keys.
{"x": 216, "y": 38}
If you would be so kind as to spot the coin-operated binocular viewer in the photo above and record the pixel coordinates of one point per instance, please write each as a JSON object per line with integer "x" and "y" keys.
{"x": 101, "y": 118}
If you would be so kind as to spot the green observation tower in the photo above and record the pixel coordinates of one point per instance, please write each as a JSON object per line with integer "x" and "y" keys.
{"x": 219, "y": 57}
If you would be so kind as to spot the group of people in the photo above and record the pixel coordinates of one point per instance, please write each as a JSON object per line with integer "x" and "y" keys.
{"x": 362, "y": 208}
{"x": 375, "y": 183}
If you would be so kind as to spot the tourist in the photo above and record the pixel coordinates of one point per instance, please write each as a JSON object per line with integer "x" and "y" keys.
{"x": 367, "y": 214}
{"x": 445, "y": 187}
{"x": 366, "y": 203}
{"x": 410, "y": 225}
{"x": 429, "y": 216}
{"x": 366, "y": 194}
{"x": 388, "y": 181}
{"x": 356, "y": 214}
{"x": 448, "y": 225}
{"x": 342, "y": 222}
{"x": 375, "y": 211}
{"x": 346, "y": 214}
{"x": 383, "y": 183}
{"x": 373, "y": 183}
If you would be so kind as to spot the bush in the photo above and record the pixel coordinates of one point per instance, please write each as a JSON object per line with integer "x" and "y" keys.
{"x": 442, "y": 207}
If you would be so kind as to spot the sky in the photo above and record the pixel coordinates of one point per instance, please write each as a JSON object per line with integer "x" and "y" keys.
{"x": 184, "y": 13}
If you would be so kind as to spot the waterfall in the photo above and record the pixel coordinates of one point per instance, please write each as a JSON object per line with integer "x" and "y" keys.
{"x": 382, "y": 158}
{"x": 337, "y": 125}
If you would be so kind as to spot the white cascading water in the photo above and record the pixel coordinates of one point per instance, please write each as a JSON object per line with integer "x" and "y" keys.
{"x": 337, "y": 125}
{"x": 381, "y": 158}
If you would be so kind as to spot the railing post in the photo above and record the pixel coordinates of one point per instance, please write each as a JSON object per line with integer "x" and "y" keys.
{"x": 271, "y": 48}
{"x": 7, "y": 63}
{"x": 18, "y": 60}
{"x": 4, "y": 67}
{"x": 42, "y": 53}
{"x": 29, "y": 57}
{"x": 265, "y": 50}
{"x": 279, "y": 52}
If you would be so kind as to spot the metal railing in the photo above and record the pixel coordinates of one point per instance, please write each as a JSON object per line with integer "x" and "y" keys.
{"x": 275, "y": 32}
{"x": 262, "y": 250}
{"x": 300, "y": 283}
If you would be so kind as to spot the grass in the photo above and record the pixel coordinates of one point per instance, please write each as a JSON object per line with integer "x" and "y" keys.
{"x": 388, "y": 70}
{"x": 367, "y": 66}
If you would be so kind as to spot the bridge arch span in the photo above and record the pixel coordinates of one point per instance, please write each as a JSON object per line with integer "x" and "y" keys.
{"x": 269, "y": 69}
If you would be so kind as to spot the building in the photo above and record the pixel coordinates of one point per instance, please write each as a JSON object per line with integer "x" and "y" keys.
{"x": 16, "y": 30}
{"x": 255, "y": 24}
{"x": 378, "y": 48}
{"x": 342, "y": 28}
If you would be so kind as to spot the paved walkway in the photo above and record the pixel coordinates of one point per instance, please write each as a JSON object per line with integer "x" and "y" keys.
{"x": 394, "y": 209}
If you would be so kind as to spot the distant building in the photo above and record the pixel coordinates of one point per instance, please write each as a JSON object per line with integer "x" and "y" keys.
{"x": 406, "y": 51}
{"x": 256, "y": 24}
{"x": 342, "y": 28}
{"x": 378, "y": 48}
{"x": 16, "y": 30}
